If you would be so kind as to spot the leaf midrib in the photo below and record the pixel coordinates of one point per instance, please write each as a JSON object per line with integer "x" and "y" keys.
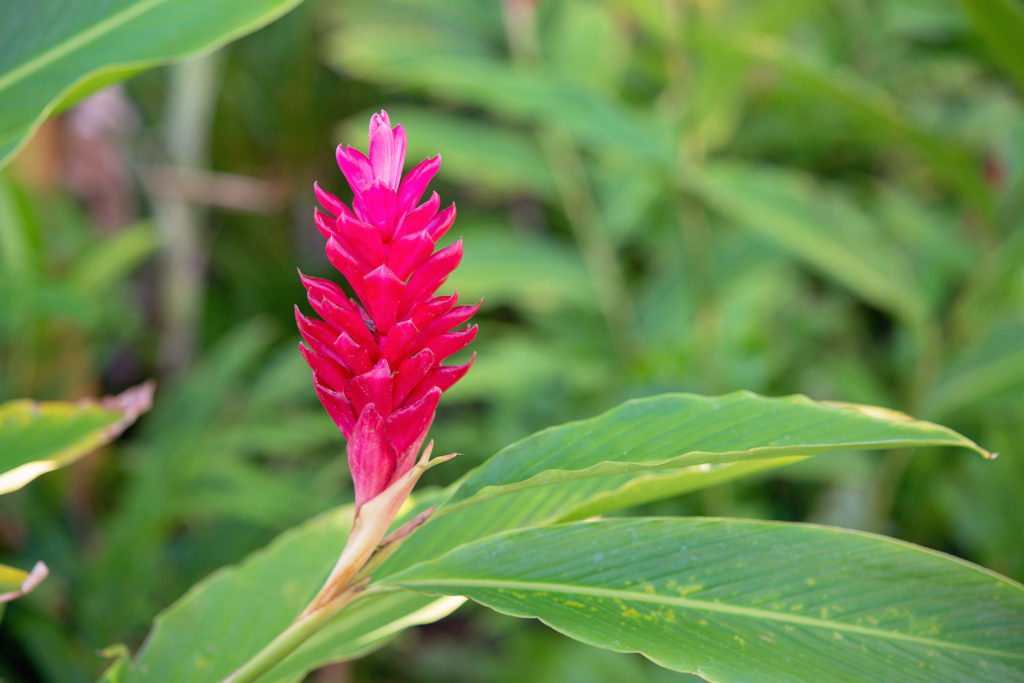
{"x": 65, "y": 47}
{"x": 689, "y": 603}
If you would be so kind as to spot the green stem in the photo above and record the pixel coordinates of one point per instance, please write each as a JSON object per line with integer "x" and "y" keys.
{"x": 369, "y": 527}
{"x": 293, "y": 636}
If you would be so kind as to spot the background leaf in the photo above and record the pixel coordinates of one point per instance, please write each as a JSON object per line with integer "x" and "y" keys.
{"x": 15, "y": 582}
{"x": 725, "y": 598}
{"x": 820, "y": 227}
{"x": 50, "y": 49}
{"x": 1001, "y": 25}
{"x": 36, "y": 438}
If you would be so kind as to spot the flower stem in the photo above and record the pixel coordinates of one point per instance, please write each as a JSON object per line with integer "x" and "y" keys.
{"x": 292, "y": 637}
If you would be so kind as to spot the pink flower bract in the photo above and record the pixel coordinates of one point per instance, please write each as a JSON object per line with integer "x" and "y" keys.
{"x": 376, "y": 359}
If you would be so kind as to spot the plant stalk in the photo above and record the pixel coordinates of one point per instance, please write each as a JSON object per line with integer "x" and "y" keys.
{"x": 293, "y": 636}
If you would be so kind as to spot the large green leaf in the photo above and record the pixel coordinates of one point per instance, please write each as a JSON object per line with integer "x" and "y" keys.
{"x": 680, "y": 430}
{"x": 748, "y": 600}
{"x": 225, "y": 619}
{"x": 569, "y": 500}
{"x": 53, "y": 52}
{"x": 647, "y": 450}
{"x": 36, "y": 438}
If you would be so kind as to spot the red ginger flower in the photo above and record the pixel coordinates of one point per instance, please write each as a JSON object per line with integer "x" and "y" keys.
{"x": 377, "y": 361}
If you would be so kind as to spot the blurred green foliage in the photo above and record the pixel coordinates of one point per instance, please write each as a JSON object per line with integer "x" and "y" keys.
{"x": 782, "y": 196}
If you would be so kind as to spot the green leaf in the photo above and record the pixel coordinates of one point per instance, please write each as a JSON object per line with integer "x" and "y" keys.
{"x": 297, "y": 562}
{"x": 681, "y": 430}
{"x": 735, "y": 600}
{"x": 1001, "y": 25}
{"x": 647, "y": 450}
{"x": 452, "y": 526}
{"x": 229, "y": 616}
{"x": 51, "y": 51}
{"x": 36, "y": 438}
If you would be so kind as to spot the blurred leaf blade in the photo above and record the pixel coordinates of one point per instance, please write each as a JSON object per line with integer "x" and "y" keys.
{"x": 856, "y": 95}
{"x": 111, "y": 260}
{"x": 473, "y": 151}
{"x": 532, "y": 95}
{"x": 1000, "y": 23}
{"x": 15, "y": 582}
{"x": 674, "y": 590}
{"x": 818, "y": 227}
{"x": 995, "y": 363}
{"x": 50, "y": 48}
{"x": 36, "y": 438}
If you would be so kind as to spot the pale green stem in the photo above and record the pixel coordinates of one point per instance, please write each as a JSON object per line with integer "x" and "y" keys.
{"x": 289, "y": 639}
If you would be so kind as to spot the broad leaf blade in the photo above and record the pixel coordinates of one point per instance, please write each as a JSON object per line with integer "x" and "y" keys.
{"x": 453, "y": 526}
{"x": 50, "y": 49}
{"x": 647, "y": 450}
{"x": 36, "y": 438}
{"x": 732, "y": 599}
{"x": 681, "y": 430}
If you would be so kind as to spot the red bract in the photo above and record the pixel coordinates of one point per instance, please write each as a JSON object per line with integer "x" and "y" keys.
{"x": 376, "y": 359}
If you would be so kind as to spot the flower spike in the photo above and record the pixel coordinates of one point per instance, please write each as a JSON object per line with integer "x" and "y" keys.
{"x": 376, "y": 360}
